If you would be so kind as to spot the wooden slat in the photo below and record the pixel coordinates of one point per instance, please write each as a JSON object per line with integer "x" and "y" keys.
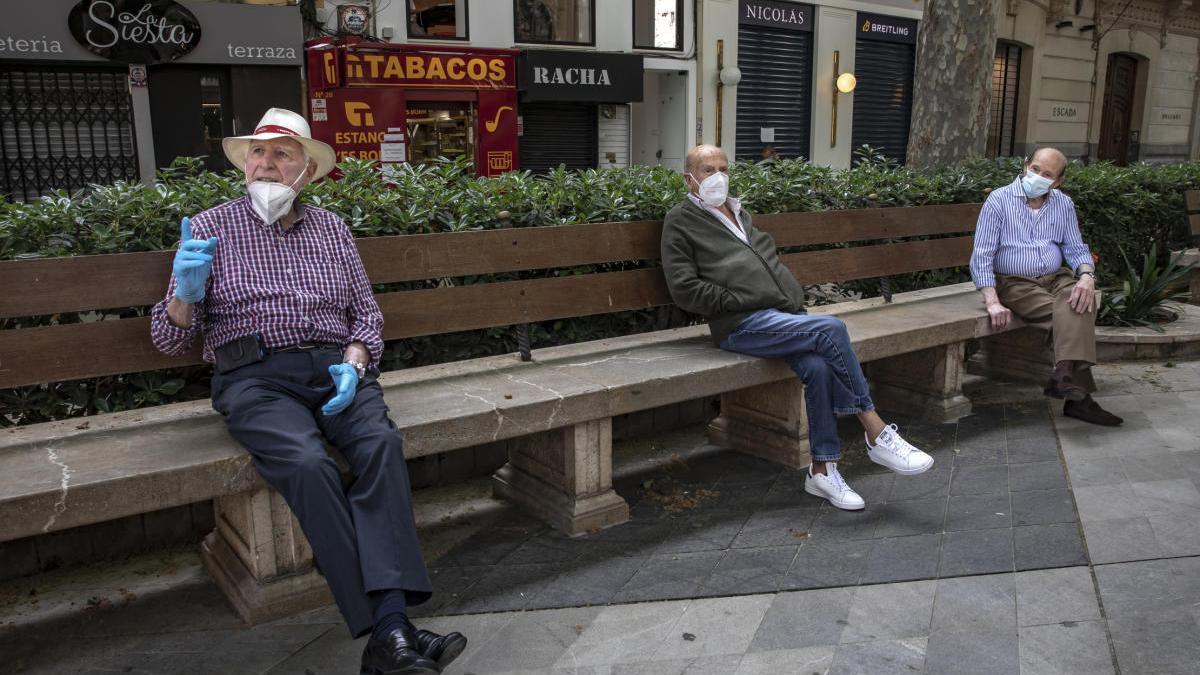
{"x": 1191, "y": 201}
{"x": 456, "y": 254}
{"x": 446, "y": 310}
{"x": 73, "y": 351}
{"x": 80, "y": 283}
{"x": 827, "y": 227}
{"x": 864, "y": 262}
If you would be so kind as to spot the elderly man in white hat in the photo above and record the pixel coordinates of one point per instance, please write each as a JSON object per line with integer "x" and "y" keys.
{"x": 291, "y": 325}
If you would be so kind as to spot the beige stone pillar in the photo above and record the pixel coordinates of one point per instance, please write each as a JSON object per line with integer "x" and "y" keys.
{"x": 926, "y": 384}
{"x": 1021, "y": 355}
{"x": 564, "y": 477}
{"x": 767, "y": 421}
{"x": 260, "y": 559}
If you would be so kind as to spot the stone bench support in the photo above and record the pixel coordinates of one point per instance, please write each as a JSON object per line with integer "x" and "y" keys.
{"x": 767, "y": 421}
{"x": 564, "y": 477}
{"x": 925, "y": 384}
{"x": 259, "y": 558}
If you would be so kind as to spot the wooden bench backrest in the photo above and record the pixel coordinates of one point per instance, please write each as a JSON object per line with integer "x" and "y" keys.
{"x": 1191, "y": 203}
{"x": 110, "y": 347}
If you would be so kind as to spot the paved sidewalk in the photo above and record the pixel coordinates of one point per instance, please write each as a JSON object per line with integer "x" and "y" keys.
{"x": 727, "y": 567}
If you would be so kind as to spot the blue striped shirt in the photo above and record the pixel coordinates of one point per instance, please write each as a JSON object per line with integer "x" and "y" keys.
{"x": 1012, "y": 240}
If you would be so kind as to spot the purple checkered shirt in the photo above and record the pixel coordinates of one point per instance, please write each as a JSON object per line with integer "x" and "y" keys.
{"x": 304, "y": 284}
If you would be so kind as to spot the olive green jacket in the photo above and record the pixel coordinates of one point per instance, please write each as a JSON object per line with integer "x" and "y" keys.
{"x": 713, "y": 273}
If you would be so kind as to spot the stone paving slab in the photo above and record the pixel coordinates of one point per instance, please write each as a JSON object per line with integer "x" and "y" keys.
{"x": 711, "y": 522}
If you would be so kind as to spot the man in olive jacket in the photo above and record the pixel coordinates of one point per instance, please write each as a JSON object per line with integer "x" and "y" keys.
{"x": 719, "y": 266}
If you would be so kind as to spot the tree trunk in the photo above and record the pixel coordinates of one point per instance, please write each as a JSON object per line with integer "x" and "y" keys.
{"x": 953, "y": 91}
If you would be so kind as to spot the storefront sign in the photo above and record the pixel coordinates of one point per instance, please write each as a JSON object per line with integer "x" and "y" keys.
{"x": 887, "y": 28}
{"x": 331, "y": 67}
{"x": 581, "y": 77}
{"x": 151, "y": 31}
{"x": 135, "y": 31}
{"x": 774, "y": 14}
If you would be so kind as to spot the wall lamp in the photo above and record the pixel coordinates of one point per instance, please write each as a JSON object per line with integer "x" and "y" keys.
{"x": 842, "y": 83}
{"x": 726, "y": 77}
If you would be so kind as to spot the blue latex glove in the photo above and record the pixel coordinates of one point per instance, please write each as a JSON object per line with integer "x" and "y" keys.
{"x": 345, "y": 378}
{"x": 193, "y": 263}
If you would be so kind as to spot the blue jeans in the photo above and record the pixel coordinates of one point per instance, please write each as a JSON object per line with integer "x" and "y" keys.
{"x": 818, "y": 350}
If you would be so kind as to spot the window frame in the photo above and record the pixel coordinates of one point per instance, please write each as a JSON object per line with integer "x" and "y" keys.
{"x": 408, "y": 9}
{"x": 591, "y": 17}
{"x": 1011, "y": 137}
{"x": 678, "y": 30}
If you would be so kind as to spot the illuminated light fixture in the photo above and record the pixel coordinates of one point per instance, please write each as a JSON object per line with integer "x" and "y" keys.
{"x": 842, "y": 83}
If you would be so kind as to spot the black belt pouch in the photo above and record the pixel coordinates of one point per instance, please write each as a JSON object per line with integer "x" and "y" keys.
{"x": 237, "y": 353}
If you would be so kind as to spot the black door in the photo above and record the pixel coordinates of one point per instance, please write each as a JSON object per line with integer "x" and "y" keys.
{"x": 257, "y": 88}
{"x": 558, "y": 133}
{"x": 774, "y": 98}
{"x": 190, "y": 109}
{"x": 883, "y": 97}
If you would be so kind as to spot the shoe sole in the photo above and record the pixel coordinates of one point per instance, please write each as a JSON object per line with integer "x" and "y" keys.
{"x": 406, "y": 671}
{"x": 902, "y": 472}
{"x": 822, "y": 495}
{"x": 454, "y": 647}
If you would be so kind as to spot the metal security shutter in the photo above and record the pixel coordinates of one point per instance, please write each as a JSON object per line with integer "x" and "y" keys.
{"x": 775, "y": 91}
{"x": 63, "y": 128}
{"x": 883, "y": 97}
{"x": 558, "y": 133}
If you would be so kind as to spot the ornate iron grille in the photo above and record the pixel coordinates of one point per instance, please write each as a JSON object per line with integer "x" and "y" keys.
{"x": 63, "y": 127}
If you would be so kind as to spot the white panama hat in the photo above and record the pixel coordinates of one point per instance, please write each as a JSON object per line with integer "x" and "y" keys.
{"x": 280, "y": 123}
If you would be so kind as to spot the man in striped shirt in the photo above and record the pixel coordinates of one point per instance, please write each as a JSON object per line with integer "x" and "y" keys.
{"x": 291, "y": 324}
{"x": 1027, "y": 232}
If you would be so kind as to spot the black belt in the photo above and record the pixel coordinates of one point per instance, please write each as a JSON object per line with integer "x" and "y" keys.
{"x": 302, "y": 347}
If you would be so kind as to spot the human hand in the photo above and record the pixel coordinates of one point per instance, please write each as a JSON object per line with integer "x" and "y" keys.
{"x": 999, "y": 314}
{"x": 1083, "y": 296}
{"x": 345, "y": 378}
{"x": 193, "y": 263}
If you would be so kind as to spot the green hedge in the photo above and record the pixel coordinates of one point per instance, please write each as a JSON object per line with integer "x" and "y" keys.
{"x": 1119, "y": 207}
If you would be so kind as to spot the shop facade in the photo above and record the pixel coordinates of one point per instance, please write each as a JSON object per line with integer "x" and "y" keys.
{"x": 93, "y": 91}
{"x": 774, "y": 63}
{"x": 573, "y": 121}
{"x": 397, "y": 103}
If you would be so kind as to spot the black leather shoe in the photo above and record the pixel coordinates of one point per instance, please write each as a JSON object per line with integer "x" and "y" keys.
{"x": 441, "y": 649}
{"x": 1090, "y": 411}
{"x": 396, "y": 654}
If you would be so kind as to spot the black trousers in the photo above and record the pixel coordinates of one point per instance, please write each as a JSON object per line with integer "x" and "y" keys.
{"x": 364, "y": 538}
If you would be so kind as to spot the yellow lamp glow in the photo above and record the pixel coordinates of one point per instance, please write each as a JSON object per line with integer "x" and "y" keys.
{"x": 846, "y": 82}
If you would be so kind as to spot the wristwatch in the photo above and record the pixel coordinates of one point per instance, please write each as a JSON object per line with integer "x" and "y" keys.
{"x": 359, "y": 367}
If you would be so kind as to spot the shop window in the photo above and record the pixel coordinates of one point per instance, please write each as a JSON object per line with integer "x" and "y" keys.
{"x": 437, "y": 19}
{"x": 440, "y": 129}
{"x": 658, "y": 24}
{"x": 1006, "y": 83}
{"x": 212, "y": 119}
{"x": 555, "y": 21}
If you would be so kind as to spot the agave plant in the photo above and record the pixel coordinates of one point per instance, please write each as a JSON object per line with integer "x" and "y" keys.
{"x": 1146, "y": 298}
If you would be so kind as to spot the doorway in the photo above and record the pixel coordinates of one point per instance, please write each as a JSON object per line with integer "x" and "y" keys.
{"x": 1119, "y": 90}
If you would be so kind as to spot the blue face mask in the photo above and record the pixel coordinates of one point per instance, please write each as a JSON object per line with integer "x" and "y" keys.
{"x": 1034, "y": 185}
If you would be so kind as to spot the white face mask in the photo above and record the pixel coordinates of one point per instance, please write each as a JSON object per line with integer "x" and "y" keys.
{"x": 272, "y": 200}
{"x": 1035, "y": 185}
{"x": 714, "y": 190}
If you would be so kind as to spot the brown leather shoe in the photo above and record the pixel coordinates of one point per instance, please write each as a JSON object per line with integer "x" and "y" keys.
{"x": 1090, "y": 411}
{"x": 1065, "y": 387}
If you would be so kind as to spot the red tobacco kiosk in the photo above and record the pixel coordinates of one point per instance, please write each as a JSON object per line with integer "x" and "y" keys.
{"x": 414, "y": 103}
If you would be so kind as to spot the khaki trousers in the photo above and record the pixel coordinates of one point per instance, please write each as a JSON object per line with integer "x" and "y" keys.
{"x": 1048, "y": 297}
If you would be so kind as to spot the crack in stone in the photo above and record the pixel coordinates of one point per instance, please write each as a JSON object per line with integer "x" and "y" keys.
{"x": 557, "y": 404}
{"x": 622, "y": 357}
{"x": 61, "y": 505}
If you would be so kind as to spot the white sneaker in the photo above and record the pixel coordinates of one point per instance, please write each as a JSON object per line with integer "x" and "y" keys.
{"x": 833, "y": 487}
{"x": 897, "y": 454}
